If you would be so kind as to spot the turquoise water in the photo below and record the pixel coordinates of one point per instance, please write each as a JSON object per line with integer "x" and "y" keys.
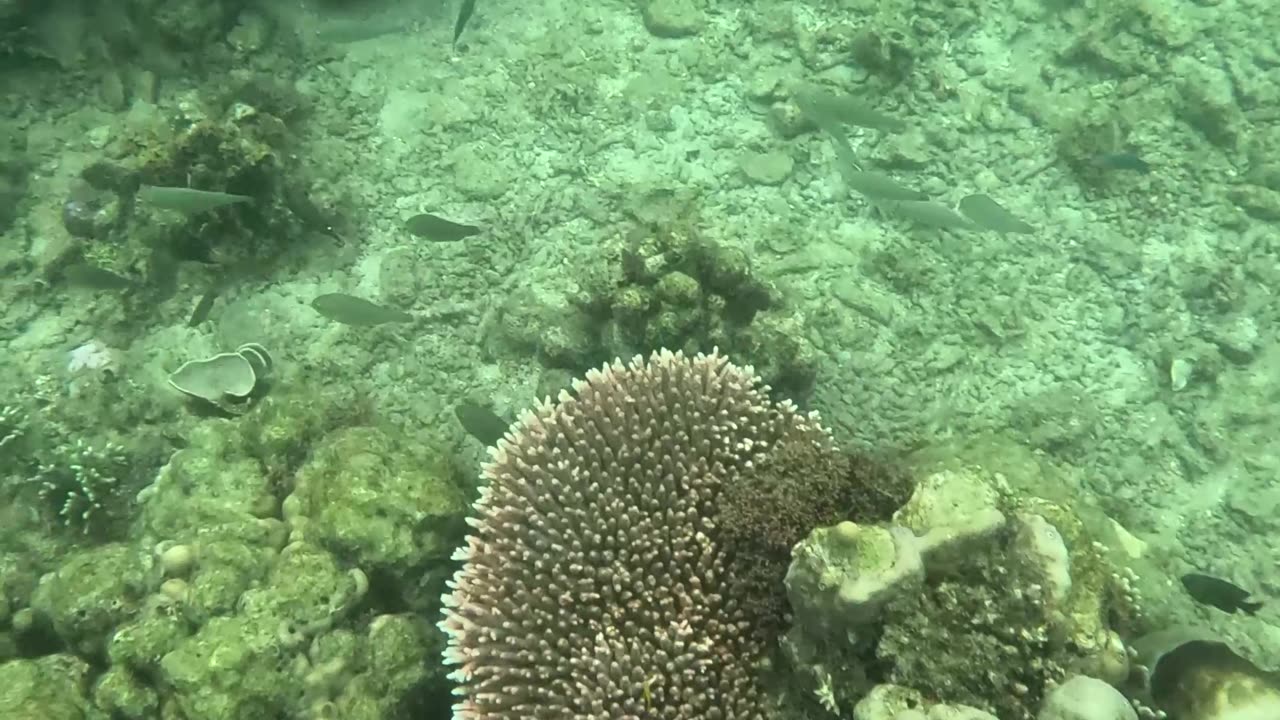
{"x": 954, "y": 378}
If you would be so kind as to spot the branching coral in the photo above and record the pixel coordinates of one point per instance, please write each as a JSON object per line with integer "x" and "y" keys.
{"x": 85, "y": 486}
{"x": 595, "y": 584}
{"x": 13, "y": 428}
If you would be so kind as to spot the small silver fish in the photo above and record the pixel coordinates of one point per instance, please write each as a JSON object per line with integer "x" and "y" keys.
{"x": 187, "y": 200}
{"x": 991, "y": 215}
{"x": 878, "y": 186}
{"x": 927, "y": 212}
{"x": 827, "y": 109}
{"x": 352, "y": 310}
{"x": 874, "y": 185}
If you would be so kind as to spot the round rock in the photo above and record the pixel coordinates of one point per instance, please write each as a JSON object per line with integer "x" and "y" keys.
{"x": 1086, "y": 698}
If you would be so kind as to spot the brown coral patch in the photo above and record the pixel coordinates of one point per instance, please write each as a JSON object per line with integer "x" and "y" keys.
{"x": 800, "y": 485}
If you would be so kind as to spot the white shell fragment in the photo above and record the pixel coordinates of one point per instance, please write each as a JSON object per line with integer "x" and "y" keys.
{"x": 1180, "y": 371}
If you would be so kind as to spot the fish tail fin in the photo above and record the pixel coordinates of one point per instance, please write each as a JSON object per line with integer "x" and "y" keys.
{"x": 1251, "y": 608}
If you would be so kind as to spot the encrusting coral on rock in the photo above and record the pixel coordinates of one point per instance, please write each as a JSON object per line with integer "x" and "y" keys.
{"x": 972, "y": 594}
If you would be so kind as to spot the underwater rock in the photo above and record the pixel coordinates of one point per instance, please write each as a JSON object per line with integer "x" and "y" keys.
{"x": 14, "y": 170}
{"x": 249, "y": 680}
{"x": 381, "y": 500}
{"x": 841, "y": 576}
{"x": 89, "y": 213}
{"x": 399, "y": 665}
{"x": 52, "y": 687}
{"x": 89, "y": 595}
{"x": 1086, "y": 698}
{"x": 123, "y": 694}
{"x": 138, "y": 645}
{"x": 673, "y": 18}
{"x": 886, "y": 702}
{"x": 893, "y": 702}
{"x": 1014, "y": 596}
{"x": 951, "y": 511}
{"x": 768, "y": 168}
{"x": 1207, "y": 680}
{"x": 1040, "y": 548}
{"x": 1189, "y": 674}
{"x": 671, "y": 287}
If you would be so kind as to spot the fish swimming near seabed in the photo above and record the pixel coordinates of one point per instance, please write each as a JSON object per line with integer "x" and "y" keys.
{"x": 1123, "y": 161}
{"x": 434, "y": 227}
{"x": 928, "y": 213}
{"x": 1226, "y": 596}
{"x": 352, "y": 310}
{"x": 988, "y": 214}
{"x": 464, "y": 14}
{"x": 203, "y": 307}
{"x": 481, "y": 422}
{"x": 868, "y": 183}
{"x": 311, "y": 216}
{"x": 187, "y": 200}
{"x": 828, "y": 109}
{"x": 95, "y": 278}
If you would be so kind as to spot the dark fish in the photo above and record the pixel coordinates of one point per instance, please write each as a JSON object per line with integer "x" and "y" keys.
{"x": 351, "y": 310}
{"x": 434, "y": 227}
{"x": 1124, "y": 161}
{"x": 201, "y": 311}
{"x": 1225, "y": 596}
{"x": 162, "y": 273}
{"x": 312, "y": 217}
{"x": 481, "y": 422}
{"x": 464, "y": 14}
{"x": 96, "y": 278}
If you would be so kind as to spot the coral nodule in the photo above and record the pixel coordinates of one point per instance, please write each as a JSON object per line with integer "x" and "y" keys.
{"x": 594, "y": 584}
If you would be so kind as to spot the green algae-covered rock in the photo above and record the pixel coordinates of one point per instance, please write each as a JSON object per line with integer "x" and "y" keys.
{"x": 232, "y": 668}
{"x": 398, "y": 667}
{"x": 92, "y": 592}
{"x": 226, "y": 569}
{"x": 48, "y": 688}
{"x": 280, "y": 431}
{"x": 399, "y": 649}
{"x": 214, "y": 499}
{"x": 378, "y": 499}
{"x": 139, "y": 645}
{"x": 211, "y": 485}
{"x": 305, "y": 589}
{"x": 258, "y": 662}
{"x": 125, "y": 696}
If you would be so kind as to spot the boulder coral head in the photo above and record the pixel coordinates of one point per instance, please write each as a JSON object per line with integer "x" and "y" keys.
{"x": 594, "y": 583}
